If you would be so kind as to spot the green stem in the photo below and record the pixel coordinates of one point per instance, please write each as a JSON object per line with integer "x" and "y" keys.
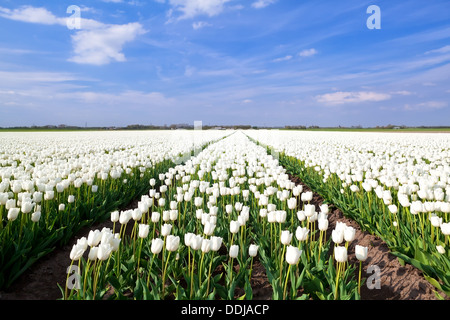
{"x": 285, "y": 282}
{"x": 337, "y": 280}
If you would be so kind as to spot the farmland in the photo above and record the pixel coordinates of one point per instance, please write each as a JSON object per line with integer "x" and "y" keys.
{"x": 198, "y": 215}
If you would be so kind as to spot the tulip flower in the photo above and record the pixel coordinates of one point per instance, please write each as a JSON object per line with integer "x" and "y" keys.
{"x": 165, "y": 229}
{"x": 234, "y": 251}
{"x": 301, "y": 233}
{"x": 115, "y": 216}
{"x": 172, "y": 243}
{"x": 292, "y": 258}
{"x": 349, "y": 234}
{"x": 361, "y": 255}
{"x": 13, "y": 213}
{"x": 36, "y": 216}
{"x": 337, "y": 236}
{"x": 157, "y": 245}
{"x": 143, "y": 230}
{"x": 94, "y": 238}
{"x": 234, "y": 226}
{"x": 286, "y": 237}
{"x": 216, "y": 243}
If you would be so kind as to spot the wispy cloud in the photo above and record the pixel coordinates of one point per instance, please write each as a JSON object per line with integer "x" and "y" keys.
{"x": 200, "y": 24}
{"x": 337, "y": 98}
{"x": 424, "y": 106}
{"x": 444, "y": 49}
{"x": 262, "y": 3}
{"x": 308, "y": 52}
{"x": 193, "y": 8}
{"x": 286, "y": 58}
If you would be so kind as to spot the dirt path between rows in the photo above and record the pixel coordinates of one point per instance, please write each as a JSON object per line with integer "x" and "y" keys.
{"x": 397, "y": 282}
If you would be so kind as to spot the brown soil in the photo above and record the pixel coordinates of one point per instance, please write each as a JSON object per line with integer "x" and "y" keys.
{"x": 397, "y": 282}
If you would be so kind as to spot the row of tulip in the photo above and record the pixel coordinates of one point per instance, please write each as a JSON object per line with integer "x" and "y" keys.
{"x": 396, "y": 186}
{"x": 53, "y": 184}
{"x": 197, "y": 236}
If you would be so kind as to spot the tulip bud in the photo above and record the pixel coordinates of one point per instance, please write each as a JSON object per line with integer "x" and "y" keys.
{"x": 71, "y": 199}
{"x": 104, "y": 251}
{"x": 115, "y": 216}
{"x": 173, "y": 215}
{"x": 301, "y": 215}
{"x": 349, "y": 234}
{"x": 435, "y": 220}
{"x": 196, "y": 242}
{"x": 445, "y": 228}
{"x": 188, "y": 238}
{"x": 293, "y": 255}
{"x": 13, "y": 213}
{"x": 165, "y": 229}
{"x": 234, "y": 226}
{"x": 143, "y": 230}
{"x": 157, "y": 245}
{"x": 280, "y": 216}
{"x": 393, "y": 208}
{"x": 172, "y": 243}
{"x": 36, "y": 216}
{"x": 234, "y": 251}
{"x": 286, "y": 237}
{"x": 361, "y": 252}
{"x": 155, "y": 216}
{"x": 124, "y": 217}
{"x": 94, "y": 238}
{"x": 440, "y": 249}
{"x": 206, "y": 245}
{"x": 77, "y": 252}
{"x": 309, "y": 209}
{"x": 340, "y": 254}
{"x": 301, "y": 233}
{"x": 93, "y": 253}
{"x": 323, "y": 224}
{"x": 61, "y": 207}
{"x": 253, "y": 250}
{"x": 209, "y": 228}
{"x": 216, "y": 243}
{"x": 337, "y": 236}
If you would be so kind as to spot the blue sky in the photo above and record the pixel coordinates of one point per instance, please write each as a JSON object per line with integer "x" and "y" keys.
{"x": 258, "y": 62}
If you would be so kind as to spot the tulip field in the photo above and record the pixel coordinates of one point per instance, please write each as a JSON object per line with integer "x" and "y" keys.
{"x": 213, "y": 203}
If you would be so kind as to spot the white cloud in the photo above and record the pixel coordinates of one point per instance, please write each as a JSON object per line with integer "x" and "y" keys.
{"x": 433, "y": 104}
{"x": 101, "y": 46}
{"x": 95, "y": 43}
{"x": 308, "y": 52}
{"x": 262, "y": 3}
{"x": 444, "y": 49}
{"x": 403, "y": 93}
{"x": 114, "y": 1}
{"x": 286, "y": 58}
{"x": 130, "y": 97}
{"x": 247, "y": 101}
{"x": 193, "y": 8}
{"x": 341, "y": 97}
{"x": 32, "y": 15}
{"x": 200, "y": 24}
{"x": 426, "y": 106}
